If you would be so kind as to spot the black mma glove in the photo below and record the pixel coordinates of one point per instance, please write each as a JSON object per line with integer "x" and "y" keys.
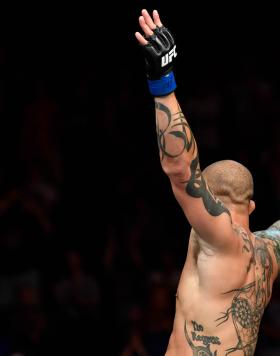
{"x": 160, "y": 53}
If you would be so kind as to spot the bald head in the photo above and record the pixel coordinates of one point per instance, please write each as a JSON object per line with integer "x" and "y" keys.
{"x": 230, "y": 181}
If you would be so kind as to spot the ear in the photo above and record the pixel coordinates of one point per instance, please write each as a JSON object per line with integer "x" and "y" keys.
{"x": 252, "y": 206}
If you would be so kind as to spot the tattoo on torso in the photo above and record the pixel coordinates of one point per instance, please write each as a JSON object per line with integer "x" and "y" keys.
{"x": 196, "y": 335}
{"x": 247, "y": 304}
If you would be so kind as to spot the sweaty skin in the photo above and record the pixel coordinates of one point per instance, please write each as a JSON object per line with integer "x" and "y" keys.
{"x": 228, "y": 275}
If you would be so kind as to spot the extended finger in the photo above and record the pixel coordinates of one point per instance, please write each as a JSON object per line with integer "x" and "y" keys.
{"x": 149, "y": 21}
{"x": 147, "y": 30}
{"x": 157, "y": 19}
{"x": 141, "y": 39}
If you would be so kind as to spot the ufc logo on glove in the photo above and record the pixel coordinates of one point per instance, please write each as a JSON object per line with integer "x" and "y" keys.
{"x": 168, "y": 57}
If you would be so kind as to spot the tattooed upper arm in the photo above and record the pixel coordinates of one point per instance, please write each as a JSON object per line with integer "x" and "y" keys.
{"x": 196, "y": 187}
{"x": 207, "y": 214}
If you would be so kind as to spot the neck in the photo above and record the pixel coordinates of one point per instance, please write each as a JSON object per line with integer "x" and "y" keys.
{"x": 240, "y": 216}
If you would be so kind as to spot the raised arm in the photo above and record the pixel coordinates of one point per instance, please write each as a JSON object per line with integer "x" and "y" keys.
{"x": 177, "y": 146}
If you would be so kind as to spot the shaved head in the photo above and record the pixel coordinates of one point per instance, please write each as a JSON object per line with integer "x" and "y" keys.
{"x": 230, "y": 181}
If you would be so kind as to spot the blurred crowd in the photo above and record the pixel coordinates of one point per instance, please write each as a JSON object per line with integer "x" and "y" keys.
{"x": 92, "y": 241}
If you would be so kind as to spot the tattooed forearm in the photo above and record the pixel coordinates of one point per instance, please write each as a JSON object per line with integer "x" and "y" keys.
{"x": 170, "y": 125}
{"x": 197, "y": 188}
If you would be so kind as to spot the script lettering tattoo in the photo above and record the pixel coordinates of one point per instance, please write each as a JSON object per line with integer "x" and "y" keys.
{"x": 197, "y": 337}
{"x": 197, "y": 188}
{"x": 174, "y": 125}
{"x": 249, "y": 302}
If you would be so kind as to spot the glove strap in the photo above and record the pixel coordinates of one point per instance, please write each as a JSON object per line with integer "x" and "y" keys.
{"x": 163, "y": 86}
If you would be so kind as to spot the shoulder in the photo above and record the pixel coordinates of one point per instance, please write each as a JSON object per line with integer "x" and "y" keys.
{"x": 275, "y": 226}
{"x": 272, "y": 237}
{"x": 272, "y": 233}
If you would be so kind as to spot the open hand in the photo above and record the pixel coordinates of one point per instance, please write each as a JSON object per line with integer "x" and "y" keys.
{"x": 148, "y": 25}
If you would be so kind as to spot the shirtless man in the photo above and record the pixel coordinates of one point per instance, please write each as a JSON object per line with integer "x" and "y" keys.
{"x": 228, "y": 275}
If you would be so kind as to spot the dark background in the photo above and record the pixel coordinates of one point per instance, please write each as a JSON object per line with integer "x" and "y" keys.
{"x": 92, "y": 241}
